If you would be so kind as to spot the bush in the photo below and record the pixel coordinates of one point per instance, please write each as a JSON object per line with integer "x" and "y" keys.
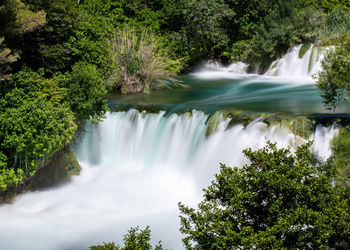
{"x": 334, "y": 79}
{"x": 89, "y": 43}
{"x": 86, "y": 92}
{"x": 34, "y": 124}
{"x": 142, "y": 63}
{"x": 133, "y": 240}
{"x": 341, "y": 161}
{"x": 278, "y": 201}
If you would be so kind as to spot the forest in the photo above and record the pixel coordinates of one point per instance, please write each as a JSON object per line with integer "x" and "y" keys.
{"x": 60, "y": 60}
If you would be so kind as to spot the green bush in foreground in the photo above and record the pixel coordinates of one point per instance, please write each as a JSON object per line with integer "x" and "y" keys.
{"x": 278, "y": 201}
{"x": 133, "y": 240}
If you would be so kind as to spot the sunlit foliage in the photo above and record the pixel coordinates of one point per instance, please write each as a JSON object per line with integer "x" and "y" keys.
{"x": 279, "y": 200}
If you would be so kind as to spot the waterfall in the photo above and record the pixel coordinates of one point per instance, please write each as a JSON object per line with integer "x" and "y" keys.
{"x": 215, "y": 70}
{"x": 292, "y": 65}
{"x": 136, "y": 167}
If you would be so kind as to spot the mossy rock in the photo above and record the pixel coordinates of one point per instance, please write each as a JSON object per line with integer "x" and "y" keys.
{"x": 122, "y": 108}
{"x": 304, "y": 48}
{"x": 241, "y": 118}
{"x": 58, "y": 171}
{"x": 273, "y": 65}
{"x": 189, "y": 113}
{"x": 214, "y": 121}
{"x": 301, "y": 126}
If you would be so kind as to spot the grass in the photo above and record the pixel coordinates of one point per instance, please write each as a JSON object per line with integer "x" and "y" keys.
{"x": 142, "y": 63}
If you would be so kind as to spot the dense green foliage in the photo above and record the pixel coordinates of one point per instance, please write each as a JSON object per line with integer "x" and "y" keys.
{"x": 40, "y": 111}
{"x": 341, "y": 153}
{"x": 39, "y": 116}
{"x": 279, "y": 200}
{"x": 135, "y": 239}
{"x": 34, "y": 124}
{"x": 334, "y": 79}
{"x": 253, "y": 31}
{"x": 85, "y": 91}
{"x": 15, "y": 20}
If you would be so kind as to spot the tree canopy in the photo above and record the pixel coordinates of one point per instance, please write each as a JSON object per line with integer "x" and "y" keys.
{"x": 340, "y": 158}
{"x": 333, "y": 80}
{"x": 34, "y": 124}
{"x": 279, "y": 200}
{"x": 135, "y": 239}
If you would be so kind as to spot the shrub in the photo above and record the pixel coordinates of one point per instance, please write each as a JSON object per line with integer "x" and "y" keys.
{"x": 86, "y": 91}
{"x": 34, "y": 124}
{"x": 143, "y": 64}
{"x": 278, "y": 201}
{"x": 135, "y": 239}
{"x": 341, "y": 152}
{"x": 333, "y": 80}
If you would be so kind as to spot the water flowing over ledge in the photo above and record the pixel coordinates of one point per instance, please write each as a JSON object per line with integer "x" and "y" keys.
{"x": 294, "y": 64}
{"x": 135, "y": 168}
{"x": 299, "y": 65}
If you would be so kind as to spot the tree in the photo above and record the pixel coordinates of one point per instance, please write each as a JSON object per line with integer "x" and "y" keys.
{"x": 341, "y": 161}
{"x": 204, "y": 26}
{"x": 86, "y": 91}
{"x": 16, "y": 19}
{"x": 7, "y": 57}
{"x": 133, "y": 240}
{"x": 326, "y": 4}
{"x": 89, "y": 42}
{"x": 334, "y": 79}
{"x": 34, "y": 124}
{"x": 279, "y": 200}
{"x": 47, "y": 47}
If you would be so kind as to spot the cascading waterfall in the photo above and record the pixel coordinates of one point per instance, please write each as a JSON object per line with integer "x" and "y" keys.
{"x": 213, "y": 70}
{"x": 291, "y": 65}
{"x": 136, "y": 167}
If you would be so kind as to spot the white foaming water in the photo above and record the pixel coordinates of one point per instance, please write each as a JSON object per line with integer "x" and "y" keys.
{"x": 290, "y": 65}
{"x": 135, "y": 169}
{"x": 290, "y": 68}
{"x": 214, "y": 70}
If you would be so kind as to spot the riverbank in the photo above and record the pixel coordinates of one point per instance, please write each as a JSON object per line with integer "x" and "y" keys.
{"x": 57, "y": 171}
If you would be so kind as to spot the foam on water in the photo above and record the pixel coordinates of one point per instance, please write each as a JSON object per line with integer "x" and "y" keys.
{"x": 291, "y": 65}
{"x": 135, "y": 169}
{"x": 214, "y": 70}
{"x": 290, "y": 68}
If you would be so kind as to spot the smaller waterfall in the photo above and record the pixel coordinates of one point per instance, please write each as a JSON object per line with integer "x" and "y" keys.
{"x": 214, "y": 70}
{"x": 292, "y": 65}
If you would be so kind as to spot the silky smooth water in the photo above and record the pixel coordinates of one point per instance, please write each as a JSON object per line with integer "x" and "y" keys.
{"x": 135, "y": 169}
{"x": 137, "y": 166}
{"x": 287, "y": 87}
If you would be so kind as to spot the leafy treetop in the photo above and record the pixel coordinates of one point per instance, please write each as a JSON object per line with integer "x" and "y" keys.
{"x": 279, "y": 200}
